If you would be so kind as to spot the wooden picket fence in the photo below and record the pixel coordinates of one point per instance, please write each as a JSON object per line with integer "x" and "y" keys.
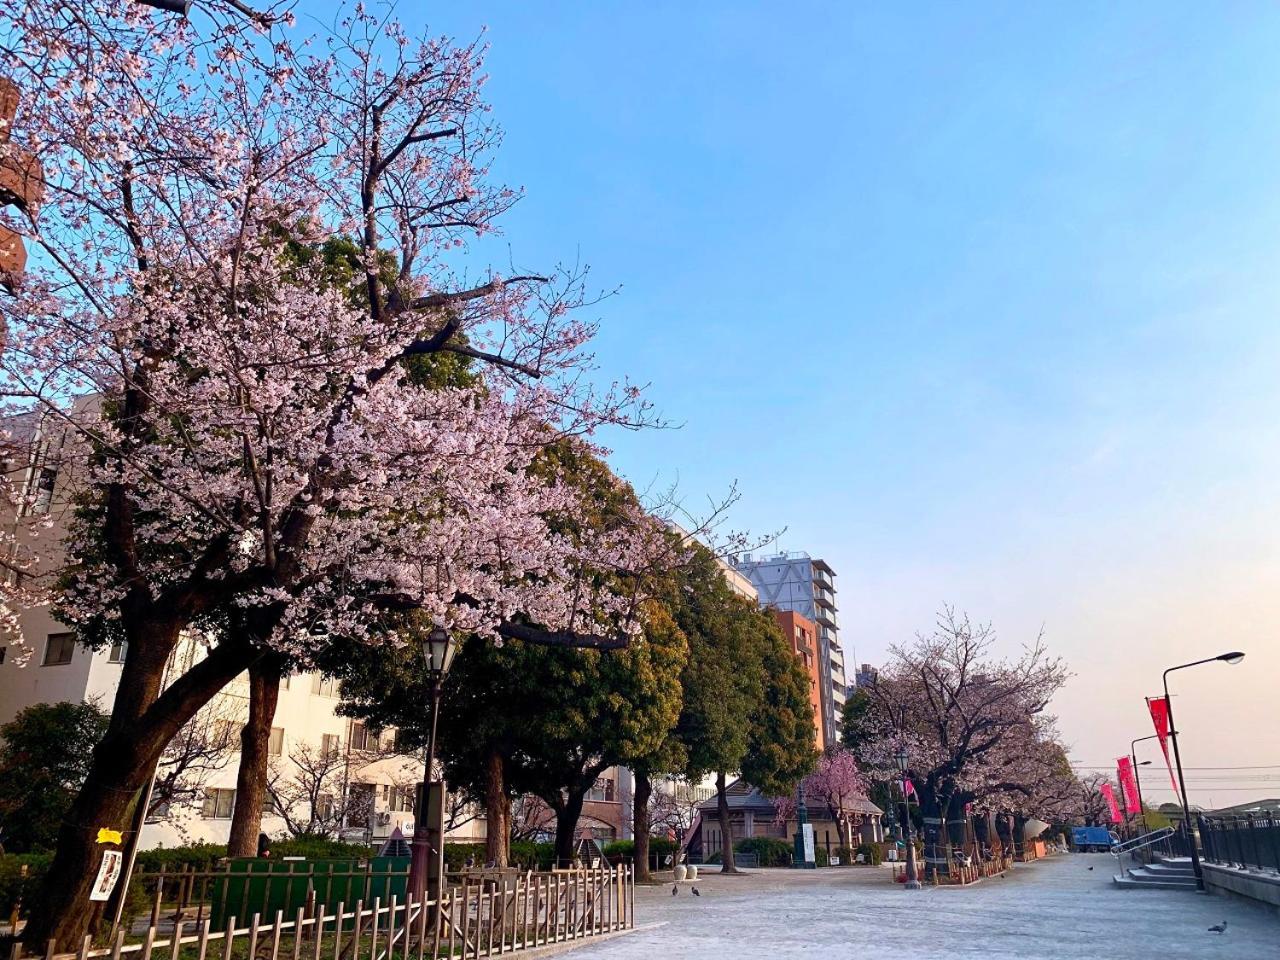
{"x": 479, "y": 918}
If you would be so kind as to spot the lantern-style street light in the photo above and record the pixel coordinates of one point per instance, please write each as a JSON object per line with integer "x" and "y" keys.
{"x": 438, "y": 648}
{"x": 1193, "y": 829}
{"x": 913, "y": 875}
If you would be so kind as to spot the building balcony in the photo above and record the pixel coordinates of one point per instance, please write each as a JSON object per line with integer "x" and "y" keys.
{"x": 825, "y": 616}
{"x": 824, "y": 598}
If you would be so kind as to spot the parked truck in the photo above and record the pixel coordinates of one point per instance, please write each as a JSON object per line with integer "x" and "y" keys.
{"x": 1093, "y": 839}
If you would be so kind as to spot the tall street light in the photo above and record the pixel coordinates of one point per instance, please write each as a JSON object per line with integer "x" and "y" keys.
{"x": 1193, "y": 829}
{"x": 1137, "y": 780}
{"x": 437, "y": 651}
{"x": 913, "y": 875}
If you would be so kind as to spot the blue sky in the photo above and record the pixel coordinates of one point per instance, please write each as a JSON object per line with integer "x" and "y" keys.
{"x": 978, "y": 301}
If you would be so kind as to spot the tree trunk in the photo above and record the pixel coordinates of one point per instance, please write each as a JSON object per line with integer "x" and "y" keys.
{"x": 497, "y": 811}
{"x": 726, "y": 832}
{"x": 567, "y": 815}
{"x": 935, "y": 861}
{"x": 640, "y": 825}
{"x": 255, "y": 743}
{"x": 142, "y": 723}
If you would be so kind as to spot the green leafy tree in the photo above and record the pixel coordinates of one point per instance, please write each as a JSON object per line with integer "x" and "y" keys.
{"x": 781, "y": 749}
{"x": 44, "y": 758}
{"x": 723, "y": 680}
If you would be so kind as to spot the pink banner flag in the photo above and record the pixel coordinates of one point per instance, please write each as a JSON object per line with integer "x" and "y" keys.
{"x": 1128, "y": 786}
{"x": 1159, "y": 708}
{"x": 1113, "y": 808}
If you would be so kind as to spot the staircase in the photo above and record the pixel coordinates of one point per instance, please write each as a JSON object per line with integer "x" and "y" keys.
{"x": 1163, "y": 873}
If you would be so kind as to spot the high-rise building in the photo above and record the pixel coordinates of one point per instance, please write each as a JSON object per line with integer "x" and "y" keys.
{"x": 797, "y": 582}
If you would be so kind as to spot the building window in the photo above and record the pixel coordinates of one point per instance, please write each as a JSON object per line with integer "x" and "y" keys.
{"x": 324, "y": 807}
{"x": 218, "y": 804}
{"x": 161, "y": 812}
{"x": 330, "y": 744}
{"x": 324, "y": 686}
{"x": 226, "y": 732}
{"x": 402, "y": 799}
{"x": 118, "y": 651}
{"x": 362, "y": 738}
{"x": 603, "y": 790}
{"x": 44, "y": 489}
{"x": 59, "y": 648}
{"x": 275, "y": 743}
{"x": 3, "y": 651}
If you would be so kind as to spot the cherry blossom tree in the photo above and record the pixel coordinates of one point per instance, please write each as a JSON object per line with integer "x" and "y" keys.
{"x": 838, "y": 785}
{"x": 261, "y": 445}
{"x": 965, "y": 719}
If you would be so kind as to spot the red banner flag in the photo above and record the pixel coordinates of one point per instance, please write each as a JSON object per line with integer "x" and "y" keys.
{"x": 1128, "y": 786}
{"x": 1113, "y": 808}
{"x": 1159, "y": 708}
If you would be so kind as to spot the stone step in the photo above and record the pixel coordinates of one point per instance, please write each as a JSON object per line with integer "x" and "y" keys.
{"x": 1141, "y": 877}
{"x": 1171, "y": 869}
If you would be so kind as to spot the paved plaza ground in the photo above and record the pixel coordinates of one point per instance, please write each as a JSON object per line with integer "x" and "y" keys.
{"x": 1056, "y": 909}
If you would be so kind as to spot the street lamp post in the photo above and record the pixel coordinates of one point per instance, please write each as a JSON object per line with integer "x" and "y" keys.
{"x": 913, "y": 875}
{"x": 1137, "y": 780}
{"x": 800, "y": 857}
{"x": 1193, "y": 830}
{"x": 437, "y": 650}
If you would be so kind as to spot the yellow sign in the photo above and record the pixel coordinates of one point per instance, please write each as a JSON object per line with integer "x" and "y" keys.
{"x": 109, "y": 836}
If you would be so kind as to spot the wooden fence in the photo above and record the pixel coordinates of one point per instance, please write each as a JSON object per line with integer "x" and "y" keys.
{"x": 478, "y": 918}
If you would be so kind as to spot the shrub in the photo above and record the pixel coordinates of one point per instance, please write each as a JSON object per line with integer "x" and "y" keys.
{"x": 619, "y": 850}
{"x": 456, "y": 854}
{"x": 820, "y": 857}
{"x": 846, "y": 856}
{"x": 871, "y": 852}
{"x": 319, "y": 848}
{"x": 770, "y": 851}
{"x": 13, "y": 886}
{"x": 531, "y": 855}
{"x": 195, "y": 856}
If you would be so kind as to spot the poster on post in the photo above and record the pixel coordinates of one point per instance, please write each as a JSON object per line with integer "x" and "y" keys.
{"x": 108, "y": 874}
{"x": 808, "y": 843}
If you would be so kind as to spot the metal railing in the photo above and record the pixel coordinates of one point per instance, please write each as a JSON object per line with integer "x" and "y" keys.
{"x": 1146, "y": 840}
{"x": 480, "y": 917}
{"x": 1250, "y": 842}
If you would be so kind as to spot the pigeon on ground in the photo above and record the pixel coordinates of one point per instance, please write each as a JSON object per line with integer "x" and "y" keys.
{"x": 1219, "y": 927}
{"x": 1091, "y": 868}
{"x": 675, "y": 888}
{"x": 696, "y": 893}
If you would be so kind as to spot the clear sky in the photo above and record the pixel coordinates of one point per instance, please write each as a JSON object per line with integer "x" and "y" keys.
{"x": 978, "y": 301}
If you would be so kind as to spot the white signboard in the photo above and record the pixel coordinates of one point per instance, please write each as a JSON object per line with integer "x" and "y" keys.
{"x": 808, "y": 842}
{"x": 108, "y": 874}
{"x": 835, "y": 861}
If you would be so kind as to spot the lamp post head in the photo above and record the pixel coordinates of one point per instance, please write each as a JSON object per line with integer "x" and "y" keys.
{"x": 438, "y": 649}
{"x": 1234, "y": 657}
{"x": 901, "y": 757}
{"x": 1144, "y": 763}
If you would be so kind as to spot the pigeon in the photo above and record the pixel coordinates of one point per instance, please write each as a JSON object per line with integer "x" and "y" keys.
{"x": 1219, "y": 927}
{"x": 674, "y": 889}
{"x": 1091, "y": 868}
{"x": 696, "y": 893}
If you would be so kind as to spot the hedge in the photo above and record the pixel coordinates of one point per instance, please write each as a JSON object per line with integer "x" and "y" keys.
{"x": 619, "y": 850}
{"x": 872, "y": 852}
{"x": 770, "y": 851}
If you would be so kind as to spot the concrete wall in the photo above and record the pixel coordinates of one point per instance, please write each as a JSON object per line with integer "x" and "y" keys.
{"x": 1256, "y": 885}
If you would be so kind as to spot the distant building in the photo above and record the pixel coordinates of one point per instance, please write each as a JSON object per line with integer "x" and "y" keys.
{"x": 802, "y": 634}
{"x": 796, "y": 582}
{"x": 866, "y": 676}
{"x": 751, "y": 814}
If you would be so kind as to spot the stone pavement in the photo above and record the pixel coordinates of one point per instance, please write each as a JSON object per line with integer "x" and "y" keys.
{"x": 1055, "y": 909}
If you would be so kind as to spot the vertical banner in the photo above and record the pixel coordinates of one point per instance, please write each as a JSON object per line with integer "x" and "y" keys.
{"x": 1128, "y": 786}
{"x": 1159, "y": 708}
{"x": 1113, "y": 808}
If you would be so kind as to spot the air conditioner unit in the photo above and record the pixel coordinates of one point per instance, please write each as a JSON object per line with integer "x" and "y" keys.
{"x": 384, "y": 819}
